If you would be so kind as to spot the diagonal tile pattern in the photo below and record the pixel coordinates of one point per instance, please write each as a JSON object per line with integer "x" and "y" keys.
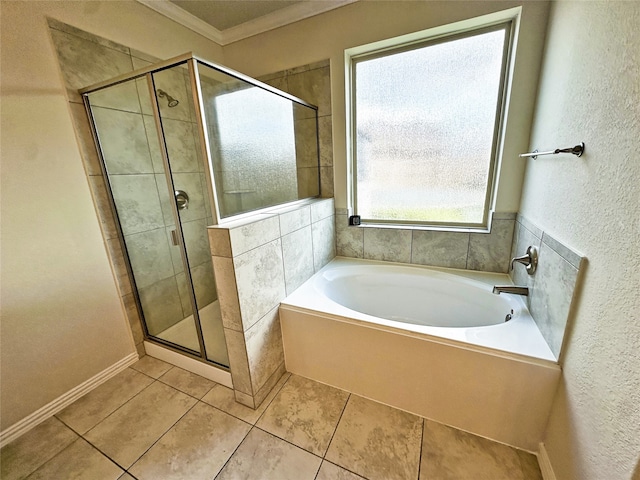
{"x": 154, "y": 420}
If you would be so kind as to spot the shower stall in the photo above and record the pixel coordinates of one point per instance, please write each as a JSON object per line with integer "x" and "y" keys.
{"x": 185, "y": 144}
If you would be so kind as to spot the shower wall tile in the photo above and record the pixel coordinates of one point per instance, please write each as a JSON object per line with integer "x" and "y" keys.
{"x": 185, "y": 294}
{"x": 325, "y": 137}
{"x": 260, "y": 281}
{"x": 294, "y": 219}
{"x": 149, "y": 256}
{"x": 176, "y": 253}
{"x": 440, "y": 249}
{"x": 122, "y": 97}
{"x": 322, "y": 209}
{"x": 172, "y": 81}
{"x": 264, "y": 348}
{"x": 161, "y": 305}
{"x": 522, "y": 239}
{"x": 140, "y": 203}
{"x": 239, "y": 362}
{"x": 196, "y": 241}
{"x": 63, "y": 27}
{"x": 181, "y": 146}
{"x": 118, "y": 262}
{"x": 103, "y": 207}
{"x": 323, "y": 234}
{"x": 228, "y": 293}
{"x": 306, "y": 143}
{"x": 392, "y": 245}
{"x": 84, "y": 137}
{"x": 490, "y": 252}
{"x": 134, "y": 318}
{"x": 123, "y": 140}
{"x": 326, "y": 182}
{"x": 204, "y": 283}
{"x": 247, "y": 236}
{"x": 297, "y": 252}
{"x": 314, "y": 87}
{"x": 153, "y": 143}
{"x": 349, "y": 240}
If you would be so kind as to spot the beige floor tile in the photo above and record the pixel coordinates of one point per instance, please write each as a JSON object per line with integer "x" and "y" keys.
{"x": 305, "y": 413}
{"x": 25, "y": 454}
{"x": 95, "y": 406}
{"x": 530, "y": 466}
{"x": 126, "y": 476}
{"x": 263, "y": 456}
{"x": 198, "y": 446}
{"x": 187, "y": 382}
{"x": 222, "y": 397}
{"x": 329, "y": 471}
{"x": 79, "y": 460}
{"x": 377, "y": 441}
{"x": 127, "y": 433}
{"x": 152, "y": 366}
{"x": 450, "y": 454}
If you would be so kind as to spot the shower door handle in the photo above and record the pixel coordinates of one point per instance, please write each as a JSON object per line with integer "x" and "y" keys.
{"x": 174, "y": 237}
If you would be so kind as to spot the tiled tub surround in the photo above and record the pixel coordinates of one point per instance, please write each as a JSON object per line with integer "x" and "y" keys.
{"x": 304, "y": 430}
{"x": 552, "y": 289}
{"x": 450, "y": 375}
{"x": 258, "y": 261}
{"x": 488, "y": 252}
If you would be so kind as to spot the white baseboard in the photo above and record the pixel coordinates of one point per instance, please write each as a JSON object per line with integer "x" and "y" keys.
{"x": 187, "y": 363}
{"x": 545, "y": 463}
{"x": 64, "y": 400}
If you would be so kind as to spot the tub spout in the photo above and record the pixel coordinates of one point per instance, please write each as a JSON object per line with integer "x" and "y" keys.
{"x": 498, "y": 289}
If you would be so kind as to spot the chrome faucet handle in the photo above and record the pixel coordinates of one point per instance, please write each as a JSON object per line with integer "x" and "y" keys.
{"x": 530, "y": 260}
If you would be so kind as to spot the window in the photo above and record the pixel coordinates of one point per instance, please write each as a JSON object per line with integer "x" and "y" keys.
{"x": 425, "y": 125}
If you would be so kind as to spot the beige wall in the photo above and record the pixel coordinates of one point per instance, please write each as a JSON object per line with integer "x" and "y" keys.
{"x": 328, "y": 35}
{"x": 62, "y": 321}
{"x": 589, "y": 92}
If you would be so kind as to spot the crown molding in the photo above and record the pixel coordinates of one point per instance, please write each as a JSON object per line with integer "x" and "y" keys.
{"x": 184, "y": 18}
{"x": 273, "y": 20}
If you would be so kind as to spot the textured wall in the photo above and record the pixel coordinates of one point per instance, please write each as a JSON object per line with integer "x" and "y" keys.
{"x": 590, "y": 92}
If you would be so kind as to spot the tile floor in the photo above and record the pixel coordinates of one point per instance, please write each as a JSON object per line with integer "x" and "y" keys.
{"x": 156, "y": 421}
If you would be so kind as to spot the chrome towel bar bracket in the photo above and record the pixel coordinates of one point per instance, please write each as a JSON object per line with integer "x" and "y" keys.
{"x": 578, "y": 150}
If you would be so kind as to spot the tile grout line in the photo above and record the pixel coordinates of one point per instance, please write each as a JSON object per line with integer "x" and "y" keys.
{"x": 337, "y": 424}
{"x": 424, "y": 425}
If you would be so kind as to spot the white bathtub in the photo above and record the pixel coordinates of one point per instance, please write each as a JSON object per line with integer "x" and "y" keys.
{"x": 378, "y": 329}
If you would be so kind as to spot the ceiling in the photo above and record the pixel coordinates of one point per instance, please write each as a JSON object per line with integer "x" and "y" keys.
{"x": 227, "y": 21}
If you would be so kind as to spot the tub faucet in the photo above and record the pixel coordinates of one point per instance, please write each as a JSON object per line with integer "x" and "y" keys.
{"x": 529, "y": 259}
{"x": 498, "y": 289}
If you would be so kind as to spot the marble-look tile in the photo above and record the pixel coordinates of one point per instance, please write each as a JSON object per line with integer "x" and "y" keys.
{"x": 262, "y": 455}
{"x": 126, "y": 476}
{"x": 137, "y": 201}
{"x": 103, "y": 206}
{"x": 84, "y": 63}
{"x": 204, "y": 283}
{"x": 321, "y": 209}
{"x": 264, "y": 348}
{"x": 135, "y": 323}
{"x": 227, "y": 292}
{"x": 254, "y": 234}
{"x": 297, "y": 252}
{"x": 153, "y": 143}
{"x": 191, "y": 184}
{"x": 78, "y": 460}
{"x": 565, "y": 252}
{"x": 187, "y": 382}
{"x": 223, "y": 398}
{"x": 260, "y": 281}
{"x": 529, "y": 226}
{"x": 185, "y": 294}
{"x": 63, "y": 27}
{"x": 377, "y": 441}
{"x": 325, "y": 138}
{"x": 198, "y": 446}
{"x": 440, "y": 249}
{"x": 349, "y": 240}
{"x": 490, "y": 252}
{"x": 129, "y": 432}
{"x": 161, "y": 305}
{"x": 388, "y": 244}
{"x": 452, "y": 454}
{"x": 219, "y": 242}
{"x": 89, "y": 410}
{"x": 323, "y": 233}
{"x": 180, "y": 146}
{"x": 308, "y": 182}
{"x": 260, "y": 396}
{"x": 329, "y": 471}
{"x": 31, "y": 450}
{"x": 306, "y": 141}
{"x": 294, "y": 219}
{"x": 196, "y": 241}
{"x": 238, "y": 361}
{"x": 314, "y": 87}
{"x": 85, "y": 139}
{"x": 305, "y": 413}
{"x": 244, "y": 399}
{"x": 152, "y": 366}
{"x": 172, "y": 81}
{"x": 326, "y": 182}
{"x": 123, "y": 141}
{"x": 149, "y": 256}
{"x": 522, "y": 239}
{"x": 504, "y": 215}
{"x": 555, "y": 281}
{"x": 529, "y": 465}
{"x": 119, "y": 266}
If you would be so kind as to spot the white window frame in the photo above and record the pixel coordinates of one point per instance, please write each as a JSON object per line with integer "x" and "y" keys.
{"x": 510, "y": 17}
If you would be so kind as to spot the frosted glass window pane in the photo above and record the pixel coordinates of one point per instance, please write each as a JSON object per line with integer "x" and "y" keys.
{"x": 425, "y": 121}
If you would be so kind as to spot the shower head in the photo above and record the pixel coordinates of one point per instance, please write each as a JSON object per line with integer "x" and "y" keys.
{"x": 172, "y": 101}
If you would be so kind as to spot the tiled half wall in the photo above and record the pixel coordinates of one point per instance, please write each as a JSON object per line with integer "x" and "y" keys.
{"x": 553, "y": 287}
{"x": 258, "y": 261}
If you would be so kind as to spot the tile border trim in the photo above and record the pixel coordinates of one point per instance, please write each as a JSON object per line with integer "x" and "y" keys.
{"x": 30, "y": 421}
{"x": 545, "y": 463}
